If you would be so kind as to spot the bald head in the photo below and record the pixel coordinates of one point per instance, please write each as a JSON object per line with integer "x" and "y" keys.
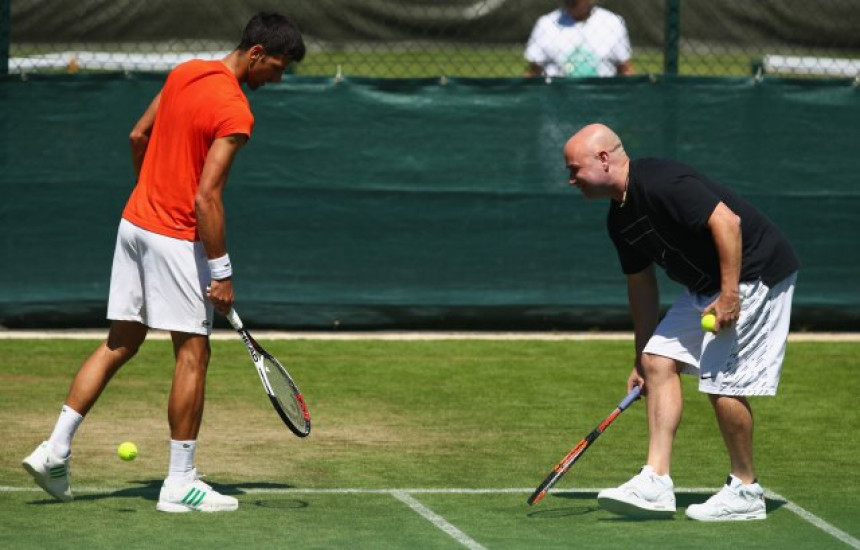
{"x": 592, "y": 139}
{"x": 597, "y": 162}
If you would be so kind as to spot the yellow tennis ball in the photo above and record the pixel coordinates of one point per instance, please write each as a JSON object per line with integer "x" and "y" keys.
{"x": 127, "y": 451}
{"x": 709, "y": 321}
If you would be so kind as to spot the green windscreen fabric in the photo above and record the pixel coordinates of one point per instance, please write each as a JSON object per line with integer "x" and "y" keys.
{"x": 367, "y": 204}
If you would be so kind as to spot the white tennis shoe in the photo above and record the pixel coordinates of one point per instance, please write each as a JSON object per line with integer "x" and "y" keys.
{"x": 735, "y": 501}
{"x": 50, "y": 471}
{"x": 646, "y": 495}
{"x": 194, "y": 496}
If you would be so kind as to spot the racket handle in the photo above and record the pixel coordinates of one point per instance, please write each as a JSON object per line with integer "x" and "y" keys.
{"x": 234, "y": 319}
{"x": 631, "y": 397}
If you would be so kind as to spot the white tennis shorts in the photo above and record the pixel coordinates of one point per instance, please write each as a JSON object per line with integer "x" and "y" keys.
{"x": 743, "y": 359}
{"x": 159, "y": 281}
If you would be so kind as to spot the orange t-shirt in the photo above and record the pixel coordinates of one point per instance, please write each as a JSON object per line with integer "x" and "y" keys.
{"x": 201, "y": 101}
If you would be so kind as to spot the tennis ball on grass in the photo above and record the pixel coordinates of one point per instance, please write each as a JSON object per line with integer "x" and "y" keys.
{"x": 709, "y": 320}
{"x": 127, "y": 451}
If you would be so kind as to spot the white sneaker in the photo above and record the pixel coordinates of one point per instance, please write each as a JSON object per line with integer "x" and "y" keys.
{"x": 50, "y": 472}
{"x": 646, "y": 495}
{"x": 194, "y": 496}
{"x": 735, "y": 501}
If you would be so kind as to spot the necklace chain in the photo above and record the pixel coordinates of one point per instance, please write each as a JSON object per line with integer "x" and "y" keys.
{"x": 624, "y": 195}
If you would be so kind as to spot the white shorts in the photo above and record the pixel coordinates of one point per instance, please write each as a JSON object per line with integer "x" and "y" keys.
{"x": 159, "y": 281}
{"x": 743, "y": 359}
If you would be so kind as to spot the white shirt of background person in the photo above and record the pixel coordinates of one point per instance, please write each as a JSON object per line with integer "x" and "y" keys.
{"x": 566, "y": 47}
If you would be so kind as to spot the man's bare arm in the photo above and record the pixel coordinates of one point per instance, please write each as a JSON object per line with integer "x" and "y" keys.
{"x": 209, "y": 207}
{"x": 139, "y": 137}
{"x": 725, "y": 228}
{"x": 625, "y": 68}
{"x": 643, "y": 295}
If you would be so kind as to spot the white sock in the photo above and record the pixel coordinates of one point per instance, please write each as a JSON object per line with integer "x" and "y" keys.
{"x": 64, "y": 431}
{"x": 181, "y": 461}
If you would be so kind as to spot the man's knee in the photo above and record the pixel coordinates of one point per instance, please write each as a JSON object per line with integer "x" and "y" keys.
{"x": 125, "y": 338}
{"x": 192, "y": 351}
{"x": 656, "y": 366}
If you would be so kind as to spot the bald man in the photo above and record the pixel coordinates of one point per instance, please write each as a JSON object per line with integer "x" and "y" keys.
{"x": 734, "y": 263}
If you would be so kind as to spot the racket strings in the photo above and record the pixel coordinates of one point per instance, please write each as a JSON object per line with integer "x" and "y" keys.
{"x": 285, "y": 393}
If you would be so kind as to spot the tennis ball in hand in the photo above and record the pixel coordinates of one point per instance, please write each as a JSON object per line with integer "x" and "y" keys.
{"x": 127, "y": 451}
{"x": 709, "y": 321}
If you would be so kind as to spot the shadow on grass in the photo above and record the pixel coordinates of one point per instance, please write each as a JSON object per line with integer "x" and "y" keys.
{"x": 586, "y": 503}
{"x": 149, "y": 490}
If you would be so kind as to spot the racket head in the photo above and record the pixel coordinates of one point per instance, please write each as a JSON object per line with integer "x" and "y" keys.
{"x": 284, "y": 394}
{"x": 560, "y": 469}
{"x": 282, "y": 391}
{"x": 542, "y": 490}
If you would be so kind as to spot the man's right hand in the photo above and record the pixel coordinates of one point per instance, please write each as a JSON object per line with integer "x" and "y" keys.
{"x": 635, "y": 379}
{"x": 220, "y": 293}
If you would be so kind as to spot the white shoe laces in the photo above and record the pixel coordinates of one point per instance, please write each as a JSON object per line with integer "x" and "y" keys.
{"x": 644, "y": 483}
{"x": 198, "y": 481}
{"x": 727, "y": 496}
{"x": 203, "y": 485}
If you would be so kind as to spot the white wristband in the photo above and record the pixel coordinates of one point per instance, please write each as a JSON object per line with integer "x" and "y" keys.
{"x": 220, "y": 268}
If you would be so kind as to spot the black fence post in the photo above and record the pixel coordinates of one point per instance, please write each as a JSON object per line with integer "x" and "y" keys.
{"x": 673, "y": 35}
{"x": 5, "y": 31}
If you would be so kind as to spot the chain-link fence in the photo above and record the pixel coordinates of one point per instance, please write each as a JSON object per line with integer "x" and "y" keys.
{"x": 465, "y": 38}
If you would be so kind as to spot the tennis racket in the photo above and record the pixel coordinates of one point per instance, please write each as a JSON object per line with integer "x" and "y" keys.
{"x": 282, "y": 391}
{"x": 562, "y": 467}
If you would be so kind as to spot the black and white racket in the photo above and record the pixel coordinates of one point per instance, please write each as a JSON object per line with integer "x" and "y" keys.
{"x": 279, "y": 386}
{"x": 562, "y": 467}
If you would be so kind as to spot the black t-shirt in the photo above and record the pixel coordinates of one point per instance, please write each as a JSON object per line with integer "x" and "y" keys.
{"x": 665, "y": 220}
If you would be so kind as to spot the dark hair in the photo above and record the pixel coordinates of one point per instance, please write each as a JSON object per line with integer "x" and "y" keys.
{"x": 275, "y": 32}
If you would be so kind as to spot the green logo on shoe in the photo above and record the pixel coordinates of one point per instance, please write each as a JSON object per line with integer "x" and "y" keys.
{"x": 194, "y": 497}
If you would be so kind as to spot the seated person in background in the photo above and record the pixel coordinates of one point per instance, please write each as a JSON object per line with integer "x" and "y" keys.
{"x": 578, "y": 40}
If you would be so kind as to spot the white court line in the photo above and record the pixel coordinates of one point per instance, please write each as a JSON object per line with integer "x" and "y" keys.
{"x": 817, "y": 521}
{"x": 437, "y": 520}
{"x": 789, "y": 505}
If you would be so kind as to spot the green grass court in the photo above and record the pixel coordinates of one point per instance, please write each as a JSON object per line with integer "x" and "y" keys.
{"x": 421, "y": 444}
{"x": 495, "y": 62}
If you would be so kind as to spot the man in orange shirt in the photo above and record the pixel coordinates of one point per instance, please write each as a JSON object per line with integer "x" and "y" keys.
{"x": 171, "y": 267}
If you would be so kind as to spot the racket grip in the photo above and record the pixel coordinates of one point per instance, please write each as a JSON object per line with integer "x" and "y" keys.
{"x": 631, "y": 397}
{"x": 234, "y": 319}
